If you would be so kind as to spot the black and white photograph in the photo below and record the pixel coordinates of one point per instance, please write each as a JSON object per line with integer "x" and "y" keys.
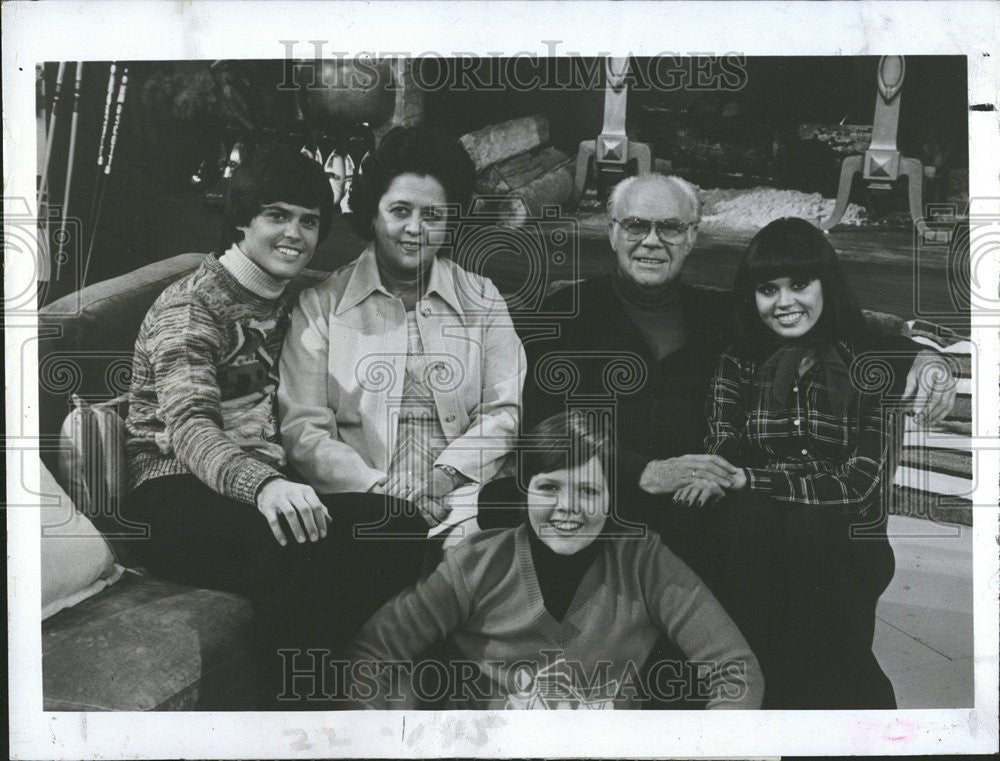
{"x": 377, "y": 372}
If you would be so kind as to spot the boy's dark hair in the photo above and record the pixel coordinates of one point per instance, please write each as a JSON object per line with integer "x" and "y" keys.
{"x": 411, "y": 150}
{"x": 275, "y": 173}
{"x": 795, "y": 248}
{"x": 564, "y": 441}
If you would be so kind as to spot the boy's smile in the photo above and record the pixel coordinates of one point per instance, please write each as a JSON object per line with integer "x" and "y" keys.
{"x": 568, "y": 508}
{"x": 281, "y": 239}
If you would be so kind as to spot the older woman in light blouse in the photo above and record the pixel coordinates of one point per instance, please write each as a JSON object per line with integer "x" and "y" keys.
{"x": 402, "y": 372}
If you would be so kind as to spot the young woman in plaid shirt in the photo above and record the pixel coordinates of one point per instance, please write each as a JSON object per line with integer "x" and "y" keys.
{"x": 800, "y": 402}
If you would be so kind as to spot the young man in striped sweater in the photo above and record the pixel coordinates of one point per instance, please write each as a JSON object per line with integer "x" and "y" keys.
{"x": 206, "y": 464}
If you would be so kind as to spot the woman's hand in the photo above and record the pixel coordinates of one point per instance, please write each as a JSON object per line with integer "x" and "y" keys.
{"x": 400, "y": 485}
{"x": 699, "y": 493}
{"x": 740, "y": 481}
{"x": 303, "y": 510}
{"x": 444, "y": 481}
{"x": 667, "y": 476}
{"x": 434, "y": 511}
{"x": 429, "y": 496}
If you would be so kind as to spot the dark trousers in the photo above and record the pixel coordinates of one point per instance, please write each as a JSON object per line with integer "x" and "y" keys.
{"x": 310, "y": 595}
{"x": 803, "y": 587}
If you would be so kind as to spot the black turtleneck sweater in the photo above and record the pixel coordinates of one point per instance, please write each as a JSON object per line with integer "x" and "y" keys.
{"x": 656, "y": 312}
{"x": 660, "y": 408}
{"x": 559, "y": 576}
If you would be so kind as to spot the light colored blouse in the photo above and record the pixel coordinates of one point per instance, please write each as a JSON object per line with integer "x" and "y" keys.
{"x": 343, "y": 372}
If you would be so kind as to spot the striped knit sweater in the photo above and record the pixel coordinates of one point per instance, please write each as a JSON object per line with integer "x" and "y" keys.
{"x": 204, "y": 377}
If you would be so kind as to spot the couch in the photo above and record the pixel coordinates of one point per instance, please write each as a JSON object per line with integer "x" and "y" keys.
{"x": 116, "y": 638}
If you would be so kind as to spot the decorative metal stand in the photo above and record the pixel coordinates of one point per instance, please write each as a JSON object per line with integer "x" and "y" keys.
{"x": 882, "y": 164}
{"x": 605, "y": 160}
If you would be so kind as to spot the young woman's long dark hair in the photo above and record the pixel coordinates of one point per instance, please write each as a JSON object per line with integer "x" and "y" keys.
{"x": 795, "y": 248}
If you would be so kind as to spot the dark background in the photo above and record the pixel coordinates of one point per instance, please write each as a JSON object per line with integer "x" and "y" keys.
{"x": 179, "y": 114}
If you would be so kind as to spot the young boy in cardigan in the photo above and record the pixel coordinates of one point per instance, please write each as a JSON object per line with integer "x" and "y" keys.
{"x": 556, "y": 613}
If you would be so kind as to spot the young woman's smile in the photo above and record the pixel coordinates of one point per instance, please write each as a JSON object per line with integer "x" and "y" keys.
{"x": 790, "y": 306}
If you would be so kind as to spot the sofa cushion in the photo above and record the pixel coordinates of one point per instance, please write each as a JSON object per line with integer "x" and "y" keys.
{"x": 147, "y": 644}
{"x": 93, "y": 468}
{"x": 109, "y": 312}
{"x": 75, "y": 560}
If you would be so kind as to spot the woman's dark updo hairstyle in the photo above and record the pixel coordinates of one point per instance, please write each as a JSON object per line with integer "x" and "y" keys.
{"x": 564, "y": 441}
{"x": 411, "y": 150}
{"x": 795, "y": 248}
{"x": 275, "y": 173}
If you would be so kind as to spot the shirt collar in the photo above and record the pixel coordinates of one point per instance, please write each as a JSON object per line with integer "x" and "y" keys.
{"x": 365, "y": 280}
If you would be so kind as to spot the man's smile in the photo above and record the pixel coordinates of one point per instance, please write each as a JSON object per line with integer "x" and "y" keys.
{"x": 649, "y": 260}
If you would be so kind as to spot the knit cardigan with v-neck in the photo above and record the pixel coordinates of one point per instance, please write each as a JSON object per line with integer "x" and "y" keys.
{"x": 485, "y": 598}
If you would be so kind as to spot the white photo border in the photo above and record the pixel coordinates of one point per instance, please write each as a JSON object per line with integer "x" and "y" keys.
{"x": 37, "y": 32}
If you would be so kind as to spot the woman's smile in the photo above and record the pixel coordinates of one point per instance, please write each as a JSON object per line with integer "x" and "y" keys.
{"x": 409, "y": 224}
{"x": 790, "y": 318}
{"x": 790, "y": 306}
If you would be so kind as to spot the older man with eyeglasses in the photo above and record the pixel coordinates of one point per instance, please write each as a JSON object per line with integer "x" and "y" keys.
{"x": 642, "y": 344}
{"x": 678, "y": 331}
{"x": 663, "y": 336}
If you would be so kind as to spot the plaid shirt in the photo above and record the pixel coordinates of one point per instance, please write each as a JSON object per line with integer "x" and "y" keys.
{"x": 802, "y": 452}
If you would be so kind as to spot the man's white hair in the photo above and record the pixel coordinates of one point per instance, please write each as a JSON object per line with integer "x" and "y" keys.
{"x": 678, "y": 184}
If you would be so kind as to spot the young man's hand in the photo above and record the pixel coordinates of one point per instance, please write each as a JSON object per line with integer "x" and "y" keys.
{"x": 304, "y": 513}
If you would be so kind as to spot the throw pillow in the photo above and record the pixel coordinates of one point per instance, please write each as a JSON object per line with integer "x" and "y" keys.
{"x": 93, "y": 467}
{"x": 76, "y": 561}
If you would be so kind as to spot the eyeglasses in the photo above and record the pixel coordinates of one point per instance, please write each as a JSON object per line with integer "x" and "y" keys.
{"x": 667, "y": 230}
